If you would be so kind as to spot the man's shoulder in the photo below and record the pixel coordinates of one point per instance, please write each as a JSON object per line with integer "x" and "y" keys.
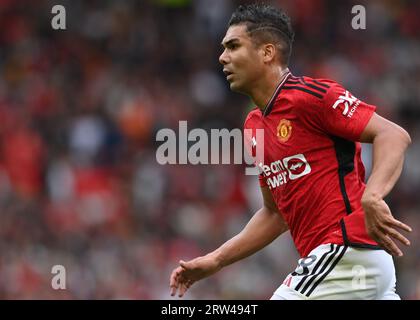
{"x": 324, "y": 82}
{"x": 303, "y": 91}
{"x": 253, "y": 116}
{"x": 308, "y": 87}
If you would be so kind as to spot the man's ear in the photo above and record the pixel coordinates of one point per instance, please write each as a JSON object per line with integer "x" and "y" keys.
{"x": 269, "y": 52}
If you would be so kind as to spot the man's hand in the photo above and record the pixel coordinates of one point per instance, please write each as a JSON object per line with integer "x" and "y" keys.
{"x": 265, "y": 226}
{"x": 381, "y": 225}
{"x": 183, "y": 277}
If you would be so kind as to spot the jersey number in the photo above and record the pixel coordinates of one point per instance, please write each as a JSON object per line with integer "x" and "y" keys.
{"x": 303, "y": 264}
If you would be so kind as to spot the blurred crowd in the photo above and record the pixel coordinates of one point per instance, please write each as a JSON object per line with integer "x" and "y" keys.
{"x": 79, "y": 111}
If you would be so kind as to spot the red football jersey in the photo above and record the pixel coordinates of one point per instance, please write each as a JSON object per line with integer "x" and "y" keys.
{"x": 312, "y": 160}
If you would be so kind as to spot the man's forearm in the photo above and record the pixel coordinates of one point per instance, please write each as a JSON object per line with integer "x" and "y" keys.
{"x": 388, "y": 160}
{"x": 262, "y": 229}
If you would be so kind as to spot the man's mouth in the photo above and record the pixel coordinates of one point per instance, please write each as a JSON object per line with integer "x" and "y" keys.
{"x": 227, "y": 72}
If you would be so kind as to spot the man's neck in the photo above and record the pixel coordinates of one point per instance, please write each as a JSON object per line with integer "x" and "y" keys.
{"x": 263, "y": 93}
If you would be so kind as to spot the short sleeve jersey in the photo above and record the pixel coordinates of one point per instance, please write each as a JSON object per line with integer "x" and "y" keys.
{"x": 312, "y": 160}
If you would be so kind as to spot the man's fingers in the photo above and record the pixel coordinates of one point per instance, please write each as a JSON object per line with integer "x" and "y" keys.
{"x": 190, "y": 283}
{"x": 387, "y": 242}
{"x": 173, "y": 290}
{"x": 401, "y": 225}
{"x": 180, "y": 281}
{"x": 174, "y": 276}
{"x": 173, "y": 284}
{"x": 174, "y": 280}
{"x": 182, "y": 289}
{"x": 398, "y": 236}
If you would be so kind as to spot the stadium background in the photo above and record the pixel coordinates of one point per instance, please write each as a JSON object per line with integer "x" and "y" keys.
{"x": 80, "y": 108}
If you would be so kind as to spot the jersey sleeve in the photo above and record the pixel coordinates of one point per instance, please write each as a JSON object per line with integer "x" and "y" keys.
{"x": 339, "y": 113}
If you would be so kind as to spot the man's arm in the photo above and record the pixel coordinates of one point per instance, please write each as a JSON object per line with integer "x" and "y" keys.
{"x": 265, "y": 226}
{"x": 389, "y": 144}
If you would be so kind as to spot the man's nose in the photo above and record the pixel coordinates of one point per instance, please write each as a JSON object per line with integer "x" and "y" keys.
{"x": 223, "y": 58}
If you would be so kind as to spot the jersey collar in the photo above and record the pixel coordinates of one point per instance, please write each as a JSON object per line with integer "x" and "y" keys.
{"x": 270, "y": 104}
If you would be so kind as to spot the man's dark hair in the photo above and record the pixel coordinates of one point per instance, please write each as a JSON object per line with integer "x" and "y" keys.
{"x": 266, "y": 24}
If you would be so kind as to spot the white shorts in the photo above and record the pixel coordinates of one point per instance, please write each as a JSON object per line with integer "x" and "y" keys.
{"x": 338, "y": 272}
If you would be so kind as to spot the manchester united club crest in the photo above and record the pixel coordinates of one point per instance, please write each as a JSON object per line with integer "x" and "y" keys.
{"x": 284, "y": 130}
